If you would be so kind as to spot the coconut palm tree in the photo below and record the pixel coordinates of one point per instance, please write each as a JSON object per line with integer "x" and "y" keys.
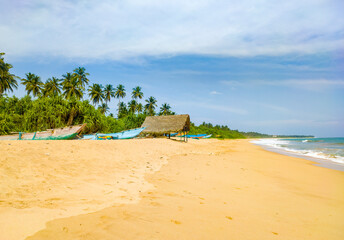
{"x": 139, "y": 108}
{"x": 103, "y": 108}
{"x": 33, "y": 84}
{"x": 81, "y": 74}
{"x": 109, "y": 92}
{"x": 165, "y": 109}
{"x": 122, "y": 109}
{"x": 8, "y": 81}
{"x": 52, "y": 87}
{"x": 67, "y": 78}
{"x": 96, "y": 93}
{"x": 3, "y": 67}
{"x": 150, "y": 106}
{"x": 120, "y": 93}
{"x": 72, "y": 89}
{"x": 137, "y": 93}
{"x": 132, "y": 106}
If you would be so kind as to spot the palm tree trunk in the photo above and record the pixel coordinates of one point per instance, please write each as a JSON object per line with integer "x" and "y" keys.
{"x": 71, "y": 117}
{"x": 119, "y": 103}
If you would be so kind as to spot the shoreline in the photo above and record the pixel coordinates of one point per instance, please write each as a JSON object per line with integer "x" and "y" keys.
{"x": 317, "y": 161}
{"x": 204, "y": 190}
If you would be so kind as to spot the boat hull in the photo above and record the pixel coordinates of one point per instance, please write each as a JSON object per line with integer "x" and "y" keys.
{"x": 128, "y": 134}
{"x": 197, "y": 136}
{"x": 65, "y": 133}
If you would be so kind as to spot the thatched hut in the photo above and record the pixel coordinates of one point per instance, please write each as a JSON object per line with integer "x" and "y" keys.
{"x": 158, "y": 125}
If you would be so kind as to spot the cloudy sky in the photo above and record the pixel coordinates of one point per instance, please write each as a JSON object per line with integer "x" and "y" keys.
{"x": 269, "y": 66}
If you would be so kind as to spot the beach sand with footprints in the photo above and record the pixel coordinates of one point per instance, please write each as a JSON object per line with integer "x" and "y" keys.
{"x": 164, "y": 189}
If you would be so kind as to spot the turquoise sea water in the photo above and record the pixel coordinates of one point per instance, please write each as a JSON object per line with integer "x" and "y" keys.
{"x": 331, "y": 149}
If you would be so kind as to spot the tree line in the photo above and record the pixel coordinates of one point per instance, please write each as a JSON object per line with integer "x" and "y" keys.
{"x": 58, "y": 102}
{"x": 73, "y": 85}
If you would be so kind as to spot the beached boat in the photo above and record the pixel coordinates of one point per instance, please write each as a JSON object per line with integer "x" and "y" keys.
{"x": 128, "y": 134}
{"x": 208, "y": 136}
{"x": 170, "y": 134}
{"x": 50, "y": 134}
{"x": 196, "y": 136}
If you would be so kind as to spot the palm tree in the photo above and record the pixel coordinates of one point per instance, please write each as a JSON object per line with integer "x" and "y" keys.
{"x": 3, "y": 67}
{"x": 132, "y": 106}
{"x": 120, "y": 93}
{"x": 72, "y": 89}
{"x": 165, "y": 109}
{"x": 67, "y": 78}
{"x": 81, "y": 74}
{"x": 32, "y": 84}
{"x": 52, "y": 87}
{"x": 122, "y": 110}
{"x": 96, "y": 93}
{"x": 103, "y": 108}
{"x": 150, "y": 106}
{"x": 7, "y": 80}
{"x": 109, "y": 92}
{"x": 137, "y": 93}
{"x": 139, "y": 108}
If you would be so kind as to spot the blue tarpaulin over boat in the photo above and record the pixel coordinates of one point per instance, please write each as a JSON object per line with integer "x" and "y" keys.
{"x": 128, "y": 134}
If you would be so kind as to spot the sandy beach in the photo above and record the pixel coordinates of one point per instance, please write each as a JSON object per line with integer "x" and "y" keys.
{"x": 164, "y": 189}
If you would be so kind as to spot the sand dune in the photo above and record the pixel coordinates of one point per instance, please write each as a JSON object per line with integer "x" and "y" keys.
{"x": 163, "y": 189}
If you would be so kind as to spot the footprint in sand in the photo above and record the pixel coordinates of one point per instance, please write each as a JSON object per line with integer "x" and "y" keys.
{"x": 155, "y": 204}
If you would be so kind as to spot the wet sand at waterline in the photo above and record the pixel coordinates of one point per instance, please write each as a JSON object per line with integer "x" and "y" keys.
{"x": 164, "y": 189}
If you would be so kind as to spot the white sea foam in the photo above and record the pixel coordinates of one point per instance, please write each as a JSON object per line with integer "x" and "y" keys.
{"x": 283, "y": 145}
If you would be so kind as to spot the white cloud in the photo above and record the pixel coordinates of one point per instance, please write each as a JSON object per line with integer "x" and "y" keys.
{"x": 215, "y": 93}
{"x": 107, "y": 29}
{"x": 310, "y": 84}
{"x": 216, "y": 107}
{"x": 296, "y": 122}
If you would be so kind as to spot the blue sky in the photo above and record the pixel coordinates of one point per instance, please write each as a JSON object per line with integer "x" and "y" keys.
{"x": 270, "y": 67}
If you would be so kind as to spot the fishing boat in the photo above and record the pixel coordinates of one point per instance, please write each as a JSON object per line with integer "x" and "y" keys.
{"x": 170, "y": 134}
{"x": 50, "y": 134}
{"x": 208, "y": 136}
{"x": 127, "y": 134}
{"x": 195, "y": 136}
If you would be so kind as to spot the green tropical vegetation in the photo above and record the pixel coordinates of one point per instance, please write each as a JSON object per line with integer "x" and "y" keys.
{"x": 217, "y": 131}
{"x": 52, "y": 87}
{"x": 223, "y": 132}
{"x": 150, "y": 106}
{"x": 33, "y": 84}
{"x": 59, "y": 102}
{"x": 8, "y": 81}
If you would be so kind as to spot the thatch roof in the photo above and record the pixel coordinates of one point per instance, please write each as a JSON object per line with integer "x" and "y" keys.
{"x": 166, "y": 124}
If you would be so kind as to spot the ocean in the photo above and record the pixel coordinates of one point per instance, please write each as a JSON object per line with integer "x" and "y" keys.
{"x": 329, "y": 149}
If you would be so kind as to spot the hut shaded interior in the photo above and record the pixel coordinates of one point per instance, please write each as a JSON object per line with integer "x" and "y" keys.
{"x": 166, "y": 124}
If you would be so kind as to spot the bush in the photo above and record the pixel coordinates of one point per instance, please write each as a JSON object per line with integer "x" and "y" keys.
{"x": 27, "y": 115}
